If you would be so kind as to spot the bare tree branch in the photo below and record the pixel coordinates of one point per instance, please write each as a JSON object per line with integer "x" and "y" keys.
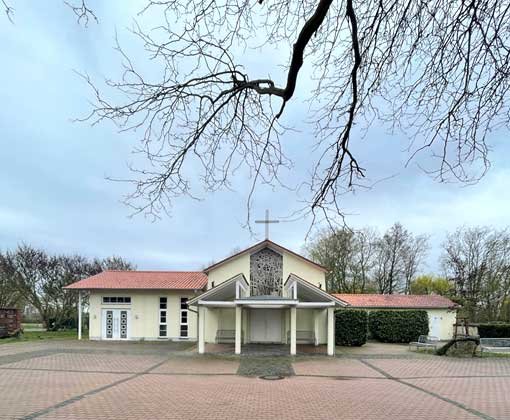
{"x": 9, "y": 11}
{"x": 437, "y": 71}
{"x": 82, "y": 12}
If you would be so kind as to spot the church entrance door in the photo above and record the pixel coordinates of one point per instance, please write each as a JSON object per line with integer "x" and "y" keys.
{"x": 266, "y": 326}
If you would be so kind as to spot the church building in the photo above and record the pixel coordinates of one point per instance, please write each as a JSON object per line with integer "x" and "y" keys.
{"x": 263, "y": 294}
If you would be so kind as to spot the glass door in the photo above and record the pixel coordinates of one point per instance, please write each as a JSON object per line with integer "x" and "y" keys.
{"x": 116, "y": 324}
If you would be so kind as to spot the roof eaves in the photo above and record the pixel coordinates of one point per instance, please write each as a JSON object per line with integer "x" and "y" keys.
{"x": 317, "y": 289}
{"x": 217, "y": 288}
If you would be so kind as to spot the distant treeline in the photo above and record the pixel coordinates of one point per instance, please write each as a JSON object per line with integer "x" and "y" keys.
{"x": 475, "y": 266}
{"x": 32, "y": 277}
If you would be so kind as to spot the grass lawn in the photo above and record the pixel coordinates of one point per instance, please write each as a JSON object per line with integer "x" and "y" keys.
{"x": 487, "y": 354}
{"x": 32, "y": 327}
{"x": 44, "y": 335}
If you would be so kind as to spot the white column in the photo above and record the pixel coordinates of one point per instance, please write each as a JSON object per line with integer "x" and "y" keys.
{"x": 246, "y": 326}
{"x": 316, "y": 318}
{"x": 292, "y": 330}
{"x": 239, "y": 323}
{"x": 79, "y": 315}
{"x": 201, "y": 329}
{"x": 331, "y": 331}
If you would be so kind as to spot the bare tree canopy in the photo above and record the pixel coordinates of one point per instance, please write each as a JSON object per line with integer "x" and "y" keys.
{"x": 437, "y": 70}
{"x": 36, "y": 278}
{"x": 477, "y": 260}
{"x": 362, "y": 261}
{"x": 399, "y": 255}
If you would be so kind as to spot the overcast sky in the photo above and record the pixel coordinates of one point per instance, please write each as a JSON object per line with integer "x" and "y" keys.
{"x": 53, "y": 191}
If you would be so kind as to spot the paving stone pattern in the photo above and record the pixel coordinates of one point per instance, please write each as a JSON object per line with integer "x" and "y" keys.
{"x": 71, "y": 380}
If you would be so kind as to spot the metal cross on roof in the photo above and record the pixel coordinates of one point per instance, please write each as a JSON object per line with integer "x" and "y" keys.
{"x": 266, "y": 221}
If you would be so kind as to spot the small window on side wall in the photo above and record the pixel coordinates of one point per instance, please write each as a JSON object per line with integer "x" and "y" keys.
{"x": 117, "y": 299}
{"x": 184, "y": 318}
{"x": 162, "y": 330}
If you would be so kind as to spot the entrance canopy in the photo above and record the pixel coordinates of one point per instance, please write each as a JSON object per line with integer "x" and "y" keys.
{"x": 225, "y": 294}
{"x": 296, "y": 292}
{"x": 268, "y": 317}
{"x": 309, "y": 295}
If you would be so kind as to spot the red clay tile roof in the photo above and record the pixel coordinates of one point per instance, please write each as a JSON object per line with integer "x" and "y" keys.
{"x": 396, "y": 301}
{"x": 111, "y": 279}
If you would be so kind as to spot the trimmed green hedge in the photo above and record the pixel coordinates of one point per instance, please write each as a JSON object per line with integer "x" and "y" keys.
{"x": 398, "y": 326}
{"x": 351, "y": 326}
{"x": 495, "y": 330}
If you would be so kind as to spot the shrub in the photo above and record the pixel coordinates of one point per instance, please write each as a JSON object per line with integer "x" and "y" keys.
{"x": 351, "y": 326}
{"x": 494, "y": 330}
{"x": 398, "y": 326}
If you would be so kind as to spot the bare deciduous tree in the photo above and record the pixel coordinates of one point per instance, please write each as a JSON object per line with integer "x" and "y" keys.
{"x": 349, "y": 257}
{"x": 414, "y": 253}
{"x": 398, "y": 258}
{"x": 39, "y": 279}
{"x": 438, "y": 70}
{"x": 334, "y": 251}
{"x": 9, "y": 294}
{"x": 478, "y": 261}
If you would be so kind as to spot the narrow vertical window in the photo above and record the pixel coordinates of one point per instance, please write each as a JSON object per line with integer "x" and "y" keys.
{"x": 162, "y": 317}
{"x": 184, "y": 317}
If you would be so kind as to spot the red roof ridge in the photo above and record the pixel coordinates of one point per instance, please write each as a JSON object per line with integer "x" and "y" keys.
{"x": 153, "y": 271}
{"x": 378, "y": 300}
{"x": 130, "y": 279}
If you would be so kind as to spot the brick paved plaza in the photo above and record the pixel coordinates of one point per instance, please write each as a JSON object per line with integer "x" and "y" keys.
{"x": 71, "y": 380}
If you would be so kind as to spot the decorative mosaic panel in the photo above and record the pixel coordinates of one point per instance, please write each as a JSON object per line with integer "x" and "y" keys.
{"x": 266, "y": 273}
{"x": 123, "y": 324}
{"x": 109, "y": 324}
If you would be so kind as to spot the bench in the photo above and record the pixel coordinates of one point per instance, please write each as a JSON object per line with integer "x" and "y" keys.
{"x": 303, "y": 337}
{"x": 226, "y": 336}
{"x": 496, "y": 345}
{"x": 425, "y": 341}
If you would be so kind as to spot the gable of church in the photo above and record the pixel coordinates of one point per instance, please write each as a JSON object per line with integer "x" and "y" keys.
{"x": 266, "y": 266}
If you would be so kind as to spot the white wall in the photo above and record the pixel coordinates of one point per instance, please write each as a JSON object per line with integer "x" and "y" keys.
{"x": 303, "y": 269}
{"x": 291, "y": 264}
{"x": 144, "y": 312}
{"x": 239, "y": 265}
{"x": 447, "y": 318}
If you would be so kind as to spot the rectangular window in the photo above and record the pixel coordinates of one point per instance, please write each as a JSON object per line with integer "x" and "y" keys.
{"x": 162, "y": 317}
{"x": 184, "y": 331}
{"x": 184, "y": 303}
{"x": 117, "y": 299}
{"x": 184, "y": 317}
{"x": 162, "y": 330}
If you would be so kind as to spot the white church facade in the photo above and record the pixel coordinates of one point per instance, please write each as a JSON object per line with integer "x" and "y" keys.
{"x": 263, "y": 294}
